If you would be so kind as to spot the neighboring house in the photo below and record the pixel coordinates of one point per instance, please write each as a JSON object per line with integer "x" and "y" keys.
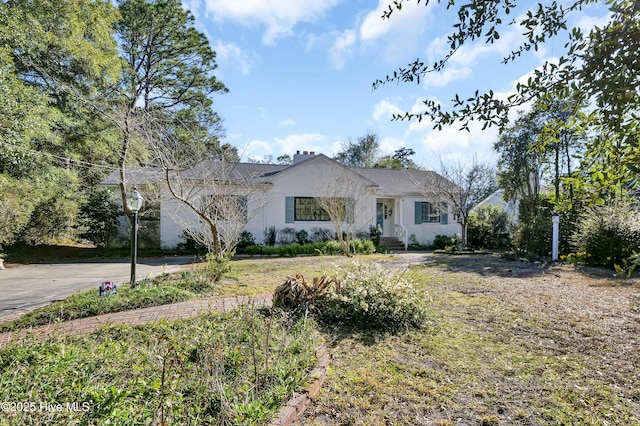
{"x": 497, "y": 199}
{"x": 285, "y": 196}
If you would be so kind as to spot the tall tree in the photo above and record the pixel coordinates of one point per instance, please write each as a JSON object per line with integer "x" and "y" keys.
{"x": 169, "y": 79}
{"x": 362, "y": 153}
{"x": 520, "y": 166}
{"x": 63, "y": 48}
{"x": 47, "y": 47}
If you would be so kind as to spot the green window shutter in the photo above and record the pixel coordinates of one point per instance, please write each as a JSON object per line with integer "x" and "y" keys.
{"x": 288, "y": 210}
{"x": 418, "y": 212}
{"x": 444, "y": 216}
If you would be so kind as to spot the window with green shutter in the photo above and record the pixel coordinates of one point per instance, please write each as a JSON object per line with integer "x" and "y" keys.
{"x": 430, "y": 213}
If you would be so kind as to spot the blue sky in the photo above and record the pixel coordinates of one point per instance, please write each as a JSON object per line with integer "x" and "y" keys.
{"x": 300, "y": 74}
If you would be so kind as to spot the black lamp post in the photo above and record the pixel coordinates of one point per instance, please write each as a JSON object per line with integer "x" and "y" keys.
{"x": 134, "y": 203}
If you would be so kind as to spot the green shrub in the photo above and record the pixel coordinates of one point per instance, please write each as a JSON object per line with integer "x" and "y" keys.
{"x": 486, "y": 227}
{"x": 363, "y": 246}
{"x": 216, "y": 266}
{"x": 287, "y": 235}
{"x": 190, "y": 244}
{"x": 270, "y": 236}
{"x": 375, "y": 234}
{"x": 532, "y": 236}
{"x": 441, "y": 242}
{"x": 302, "y": 237}
{"x": 321, "y": 235}
{"x": 100, "y": 217}
{"x": 246, "y": 239}
{"x": 295, "y": 249}
{"x": 251, "y": 250}
{"x": 196, "y": 283}
{"x": 372, "y": 297}
{"x": 607, "y": 234}
{"x": 332, "y": 248}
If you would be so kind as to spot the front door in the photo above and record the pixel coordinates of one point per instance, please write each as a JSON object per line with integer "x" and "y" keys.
{"x": 380, "y": 217}
{"x": 383, "y": 217}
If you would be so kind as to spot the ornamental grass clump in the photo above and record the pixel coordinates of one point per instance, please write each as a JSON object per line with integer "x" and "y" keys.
{"x": 372, "y": 297}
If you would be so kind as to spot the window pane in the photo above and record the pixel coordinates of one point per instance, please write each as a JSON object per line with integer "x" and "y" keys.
{"x": 430, "y": 214}
{"x": 307, "y": 209}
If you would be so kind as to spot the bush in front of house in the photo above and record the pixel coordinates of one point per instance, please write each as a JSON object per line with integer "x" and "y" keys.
{"x": 270, "y": 236}
{"x": 608, "y": 234}
{"x": 302, "y": 237}
{"x": 362, "y": 246}
{"x": 245, "y": 239}
{"x": 321, "y": 235}
{"x": 487, "y": 226}
{"x": 295, "y": 249}
{"x": 372, "y": 297}
{"x": 286, "y": 235}
{"x": 441, "y": 242}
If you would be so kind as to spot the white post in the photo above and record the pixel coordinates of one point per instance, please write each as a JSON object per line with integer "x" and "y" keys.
{"x": 554, "y": 243}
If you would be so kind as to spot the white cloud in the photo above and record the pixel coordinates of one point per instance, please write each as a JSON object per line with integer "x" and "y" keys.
{"x": 451, "y": 144}
{"x": 278, "y": 16}
{"x": 384, "y": 110}
{"x": 411, "y": 19}
{"x": 334, "y": 148}
{"x": 395, "y": 38}
{"x": 389, "y": 145}
{"x": 448, "y": 75}
{"x": 230, "y": 54}
{"x": 467, "y": 55}
{"x": 419, "y": 126}
{"x": 596, "y": 15}
{"x": 287, "y": 122}
{"x": 301, "y": 142}
{"x": 341, "y": 47}
{"x": 256, "y": 149}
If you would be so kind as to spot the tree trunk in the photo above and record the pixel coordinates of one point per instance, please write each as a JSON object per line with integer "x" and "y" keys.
{"x": 215, "y": 236}
{"x": 463, "y": 236}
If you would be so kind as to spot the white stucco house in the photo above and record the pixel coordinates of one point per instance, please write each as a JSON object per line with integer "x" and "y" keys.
{"x": 497, "y": 199}
{"x": 285, "y": 196}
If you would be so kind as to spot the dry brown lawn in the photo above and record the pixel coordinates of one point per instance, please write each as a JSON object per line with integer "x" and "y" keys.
{"x": 511, "y": 343}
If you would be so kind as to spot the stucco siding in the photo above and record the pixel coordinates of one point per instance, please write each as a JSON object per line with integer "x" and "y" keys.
{"x": 425, "y": 232}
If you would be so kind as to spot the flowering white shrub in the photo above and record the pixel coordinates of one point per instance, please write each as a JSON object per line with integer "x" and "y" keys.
{"x": 373, "y": 297}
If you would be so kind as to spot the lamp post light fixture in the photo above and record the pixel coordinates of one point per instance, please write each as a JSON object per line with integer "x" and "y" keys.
{"x": 134, "y": 204}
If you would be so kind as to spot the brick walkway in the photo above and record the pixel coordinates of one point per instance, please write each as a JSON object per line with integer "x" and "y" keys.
{"x": 187, "y": 309}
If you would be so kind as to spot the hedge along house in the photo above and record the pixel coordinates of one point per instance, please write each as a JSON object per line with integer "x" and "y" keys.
{"x": 307, "y": 195}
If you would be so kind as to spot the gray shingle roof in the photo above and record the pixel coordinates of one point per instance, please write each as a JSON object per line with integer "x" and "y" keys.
{"x": 390, "y": 182}
{"x": 394, "y": 182}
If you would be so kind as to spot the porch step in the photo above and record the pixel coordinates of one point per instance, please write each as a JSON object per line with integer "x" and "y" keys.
{"x": 391, "y": 243}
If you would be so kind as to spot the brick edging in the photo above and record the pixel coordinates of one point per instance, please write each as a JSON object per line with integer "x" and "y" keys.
{"x": 295, "y": 407}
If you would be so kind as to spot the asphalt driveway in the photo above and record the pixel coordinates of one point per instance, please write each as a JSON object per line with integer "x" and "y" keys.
{"x": 26, "y": 287}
